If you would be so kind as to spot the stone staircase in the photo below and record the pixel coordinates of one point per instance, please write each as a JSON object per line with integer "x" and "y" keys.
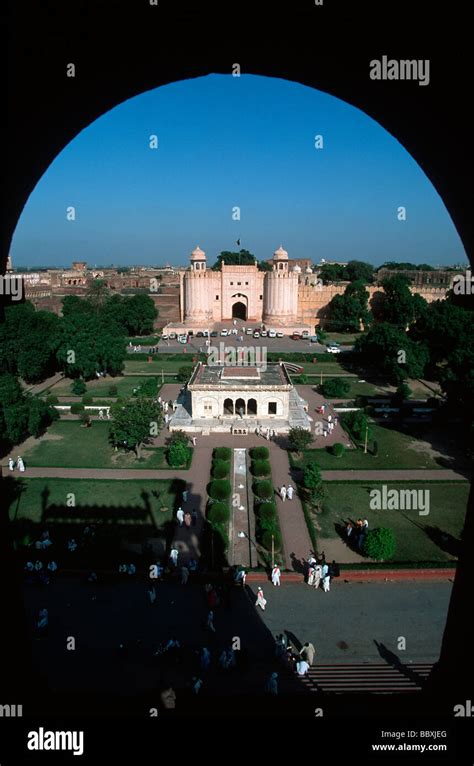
{"x": 359, "y": 678}
{"x": 298, "y": 417}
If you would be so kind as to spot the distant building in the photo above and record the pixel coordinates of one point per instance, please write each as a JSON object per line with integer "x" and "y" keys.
{"x": 436, "y": 278}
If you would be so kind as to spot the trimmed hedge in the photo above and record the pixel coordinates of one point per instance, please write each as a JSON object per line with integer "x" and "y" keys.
{"x": 88, "y": 399}
{"x": 336, "y": 387}
{"x": 338, "y": 449}
{"x": 263, "y": 490}
{"x": 219, "y": 489}
{"x": 222, "y": 453}
{"x": 77, "y": 408}
{"x": 220, "y": 469}
{"x": 259, "y": 453}
{"x": 379, "y": 544}
{"x": 260, "y": 468}
{"x": 218, "y": 513}
{"x": 267, "y": 540}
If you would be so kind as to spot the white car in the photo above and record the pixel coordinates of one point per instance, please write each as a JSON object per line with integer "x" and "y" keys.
{"x": 333, "y": 350}
{"x": 280, "y": 334}
{"x": 264, "y": 334}
{"x": 164, "y": 337}
{"x": 172, "y": 336}
{"x": 182, "y": 339}
{"x": 249, "y": 331}
{"x": 305, "y": 335}
{"x": 256, "y": 334}
{"x": 271, "y": 334}
{"x": 224, "y": 333}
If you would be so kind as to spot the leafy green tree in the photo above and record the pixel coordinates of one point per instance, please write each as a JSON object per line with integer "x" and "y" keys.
{"x": 40, "y": 415}
{"x": 399, "y": 307}
{"x": 379, "y": 544}
{"x": 78, "y": 387}
{"x": 148, "y": 388}
{"x": 313, "y": 482}
{"x": 178, "y": 454}
{"x": 331, "y": 272}
{"x": 97, "y": 294}
{"x": 359, "y": 271}
{"x": 357, "y": 423}
{"x": 184, "y": 373}
{"x": 88, "y": 344}
{"x": 347, "y": 312}
{"x": 176, "y": 437}
{"x": 140, "y": 314}
{"x": 134, "y": 423}
{"x": 299, "y": 439}
{"x": 393, "y": 352}
{"x": 231, "y": 258}
{"x": 28, "y": 342}
{"x": 335, "y": 387}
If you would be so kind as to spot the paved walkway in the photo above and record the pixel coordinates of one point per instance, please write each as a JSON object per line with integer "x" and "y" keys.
{"x": 45, "y": 384}
{"x": 401, "y": 474}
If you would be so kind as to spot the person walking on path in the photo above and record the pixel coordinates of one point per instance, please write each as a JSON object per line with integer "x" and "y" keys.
{"x": 317, "y": 574}
{"x": 210, "y": 621}
{"x": 152, "y": 595}
{"x": 180, "y": 516}
{"x": 20, "y": 464}
{"x": 307, "y": 653}
{"x": 174, "y": 553}
{"x": 289, "y": 492}
{"x": 276, "y": 575}
{"x": 205, "y": 658}
{"x": 11, "y": 464}
{"x": 184, "y": 575}
{"x": 261, "y": 600}
{"x": 326, "y": 583}
{"x": 283, "y": 493}
{"x": 272, "y": 684}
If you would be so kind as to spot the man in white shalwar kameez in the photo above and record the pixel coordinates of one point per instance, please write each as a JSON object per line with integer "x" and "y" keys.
{"x": 261, "y": 600}
{"x": 276, "y": 575}
{"x": 289, "y": 492}
{"x": 283, "y": 493}
{"x": 317, "y": 575}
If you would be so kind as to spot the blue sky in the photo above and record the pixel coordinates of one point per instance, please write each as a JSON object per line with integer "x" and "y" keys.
{"x": 228, "y": 141}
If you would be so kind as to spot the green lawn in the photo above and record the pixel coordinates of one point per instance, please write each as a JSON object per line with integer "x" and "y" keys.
{"x": 137, "y": 366}
{"x": 418, "y": 537}
{"x": 124, "y": 385}
{"x": 68, "y": 445}
{"x": 395, "y": 450}
{"x": 344, "y": 338}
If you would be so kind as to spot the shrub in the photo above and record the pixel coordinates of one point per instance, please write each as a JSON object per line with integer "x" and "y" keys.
{"x": 299, "y": 438}
{"x": 78, "y": 387}
{"x": 85, "y": 419}
{"x": 148, "y": 388}
{"x": 266, "y": 510}
{"x": 219, "y": 489}
{"x": 259, "y": 453}
{"x": 52, "y": 399}
{"x": 263, "y": 490}
{"x": 184, "y": 373}
{"x": 178, "y": 437}
{"x": 335, "y": 387}
{"x": 218, "y": 513}
{"x": 379, "y": 544}
{"x": 178, "y": 454}
{"x": 222, "y": 453}
{"x": 260, "y": 468}
{"x": 267, "y": 540}
{"x": 313, "y": 483}
{"x": 77, "y": 408}
{"x": 338, "y": 449}
{"x": 302, "y": 379}
{"x": 222, "y": 535}
{"x": 220, "y": 469}
{"x": 87, "y": 399}
{"x": 113, "y": 390}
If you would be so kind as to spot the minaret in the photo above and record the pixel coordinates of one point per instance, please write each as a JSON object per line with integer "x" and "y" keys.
{"x": 197, "y": 296}
{"x": 280, "y": 296}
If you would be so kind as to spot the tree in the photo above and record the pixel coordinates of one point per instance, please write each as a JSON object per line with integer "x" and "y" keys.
{"x": 97, "y": 294}
{"x": 357, "y": 423}
{"x": 78, "y": 387}
{"x": 359, "y": 271}
{"x": 178, "y": 454}
{"x": 331, "y": 272}
{"x": 21, "y": 414}
{"x": 313, "y": 482}
{"x": 40, "y": 415}
{"x": 230, "y": 258}
{"x": 392, "y": 350}
{"x": 335, "y": 387}
{"x": 299, "y": 438}
{"x": 347, "y": 312}
{"x": 398, "y": 306}
{"x": 178, "y": 437}
{"x": 134, "y": 423}
{"x": 28, "y": 341}
{"x": 379, "y": 544}
{"x": 184, "y": 373}
{"x": 89, "y": 344}
{"x": 140, "y": 314}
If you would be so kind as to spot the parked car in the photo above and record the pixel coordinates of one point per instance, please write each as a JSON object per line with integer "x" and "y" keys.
{"x": 296, "y": 336}
{"x": 199, "y": 334}
{"x": 172, "y": 336}
{"x": 271, "y": 334}
{"x": 214, "y": 334}
{"x": 165, "y": 336}
{"x": 305, "y": 335}
{"x": 190, "y": 333}
{"x": 224, "y": 333}
{"x": 206, "y": 333}
{"x": 249, "y": 331}
{"x": 256, "y": 334}
{"x": 314, "y": 339}
{"x": 280, "y": 334}
{"x": 333, "y": 349}
{"x": 264, "y": 334}
{"x": 182, "y": 339}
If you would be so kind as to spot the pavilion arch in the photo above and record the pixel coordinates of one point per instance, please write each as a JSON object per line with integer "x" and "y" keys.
{"x": 251, "y": 406}
{"x": 228, "y": 407}
{"x": 240, "y": 406}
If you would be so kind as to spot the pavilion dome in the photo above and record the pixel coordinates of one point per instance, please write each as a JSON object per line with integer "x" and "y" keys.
{"x": 309, "y": 270}
{"x": 280, "y": 254}
{"x": 198, "y": 254}
{"x": 297, "y": 268}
